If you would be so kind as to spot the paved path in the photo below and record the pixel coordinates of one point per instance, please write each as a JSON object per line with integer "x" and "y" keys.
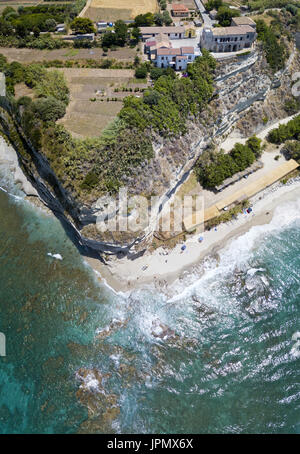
{"x": 206, "y": 19}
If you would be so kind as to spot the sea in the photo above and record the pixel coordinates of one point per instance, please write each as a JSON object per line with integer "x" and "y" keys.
{"x": 220, "y": 355}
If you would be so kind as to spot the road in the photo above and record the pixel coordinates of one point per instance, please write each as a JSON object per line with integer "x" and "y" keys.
{"x": 206, "y": 19}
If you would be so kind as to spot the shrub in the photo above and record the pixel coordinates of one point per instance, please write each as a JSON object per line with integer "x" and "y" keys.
{"x": 49, "y": 109}
{"x": 141, "y": 72}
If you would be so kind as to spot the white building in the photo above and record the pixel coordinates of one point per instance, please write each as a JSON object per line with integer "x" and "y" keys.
{"x": 172, "y": 32}
{"x": 177, "y": 59}
{"x": 228, "y": 39}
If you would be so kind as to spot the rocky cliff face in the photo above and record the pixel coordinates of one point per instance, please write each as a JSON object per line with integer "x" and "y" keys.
{"x": 247, "y": 97}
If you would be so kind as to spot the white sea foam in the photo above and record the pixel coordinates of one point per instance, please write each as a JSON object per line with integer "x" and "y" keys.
{"x": 55, "y": 256}
{"x": 236, "y": 254}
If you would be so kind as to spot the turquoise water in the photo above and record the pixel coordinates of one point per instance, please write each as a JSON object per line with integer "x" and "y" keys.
{"x": 81, "y": 358}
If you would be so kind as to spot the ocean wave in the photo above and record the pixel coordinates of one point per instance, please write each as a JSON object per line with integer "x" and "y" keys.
{"x": 236, "y": 254}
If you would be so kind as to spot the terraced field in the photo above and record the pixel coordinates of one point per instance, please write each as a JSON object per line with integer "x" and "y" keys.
{"x": 112, "y": 10}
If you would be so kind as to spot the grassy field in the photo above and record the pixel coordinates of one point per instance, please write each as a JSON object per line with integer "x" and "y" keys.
{"x": 108, "y": 10}
{"x": 34, "y": 55}
{"x": 89, "y": 112}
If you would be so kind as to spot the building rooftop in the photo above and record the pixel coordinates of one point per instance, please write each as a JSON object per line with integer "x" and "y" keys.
{"x": 187, "y": 50}
{"x": 235, "y": 30}
{"x": 176, "y": 52}
{"x": 156, "y": 30}
{"x": 179, "y": 7}
{"x": 169, "y": 52}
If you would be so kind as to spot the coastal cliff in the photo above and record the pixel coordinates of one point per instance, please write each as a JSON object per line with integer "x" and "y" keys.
{"x": 247, "y": 97}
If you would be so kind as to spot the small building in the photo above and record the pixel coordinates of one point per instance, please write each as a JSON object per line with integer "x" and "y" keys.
{"x": 179, "y": 10}
{"x": 177, "y": 59}
{"x": 213, "y": 14}
{"x": 227, "y": 39}
{"x": 171, "y": 31}
{"x": 88, "y": 36}
{"x": 60, "y": 28}
{"x": 101, "y": 26}
{"x": 161, "y": 41}
{"x": 243, "y": 20}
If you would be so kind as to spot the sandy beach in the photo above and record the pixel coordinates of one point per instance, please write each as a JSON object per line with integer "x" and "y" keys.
{"x": 163, "y": 267}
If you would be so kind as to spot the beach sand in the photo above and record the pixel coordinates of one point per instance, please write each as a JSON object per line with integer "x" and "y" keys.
{"x": 164, "y": 267}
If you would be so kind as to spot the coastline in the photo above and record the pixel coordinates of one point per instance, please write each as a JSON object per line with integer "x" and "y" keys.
{"x": 165, "y": 267}
{"x": 9, "y": 158}
{"x": 162, "y": 268}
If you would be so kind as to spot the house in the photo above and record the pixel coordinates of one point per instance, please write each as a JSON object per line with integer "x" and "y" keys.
{"x": 179, "y": 10}
{"x": 177, "y": 59}
{"x": 153, "y": 44}
{"x": 172, "y": 32}
{"x": 101, "y": 26}
{"x": 243, "y": 20}
{"x": 227, "y": 39}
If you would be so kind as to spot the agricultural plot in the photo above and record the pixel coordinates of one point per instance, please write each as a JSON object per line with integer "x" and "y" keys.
{"x": 96, "y": 98}
{"x": 109, "y": 10}
{"x": 36, "y": 55}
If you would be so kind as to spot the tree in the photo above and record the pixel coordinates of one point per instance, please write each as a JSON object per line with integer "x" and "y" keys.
{"x": 21, "y": 30}
{"x": 8, "y": 10}
{"x": 136, "y": 60}
{"x": 225, "y": 15}
{"x": 121, "y": 32}
{"x": 151, "y": 97}
{"x": 155, "y": 73}
{"x": 167, "y": 18}
{"x": 158, "y": 19}
{"x": 254, "y": 143}
{"x": 36, "y": 32}
{"x": 213, "y": 4}
{"x": 50, "y": 25}
{"x": 6, "y": 28}
{"x": 144, "y": 20}
{"x": 49, "y": 109}
{"x": 136, "y": 33}
{"x": 108, "y": 39}
{"x": 141, "y": 72}
{"x": 82, "y": 25}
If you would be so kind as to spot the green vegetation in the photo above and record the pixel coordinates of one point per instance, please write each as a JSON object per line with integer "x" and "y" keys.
{"x": 228, "y": 215}
{"x": 225, "y": 14}
{"x": 16, "y": 26}
{"x": 261, "y": 5}
{"x": 292, "y": 150}
{"x": 212, "y": 168}
{"x": 91, "y": 166}
{"x": 82, "y": 25}
{"x": 119, "y": 38}
{"x": 291, "y": 130}
{"x": 275, "y": 49}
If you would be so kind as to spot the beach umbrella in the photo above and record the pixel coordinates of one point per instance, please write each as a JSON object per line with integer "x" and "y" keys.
{"x": 183, "y": 247}
{"x": 200, "y": 238}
